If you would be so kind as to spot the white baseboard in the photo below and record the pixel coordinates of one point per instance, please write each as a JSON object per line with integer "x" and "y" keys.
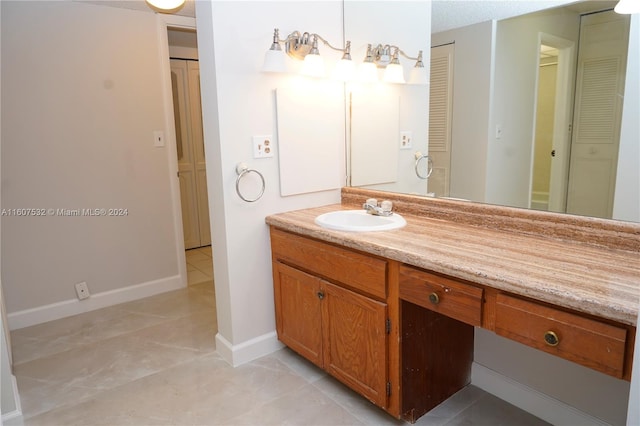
{"x": 68, "y": 308}
{"x": 17, "y": 412}
{"x": 247, "y": 351}
{"x": 537, "y": 403}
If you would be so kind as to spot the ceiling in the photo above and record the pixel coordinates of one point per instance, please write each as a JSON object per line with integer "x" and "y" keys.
{"x": 189, "y": 9}
{"x": 445, "y": 14}
{"x": 449, "y": 14}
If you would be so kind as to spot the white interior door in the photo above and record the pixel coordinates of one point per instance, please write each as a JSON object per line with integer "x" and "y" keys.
{"x": 195, "y": 110}
{"x": 598, "y": 111}
{"x": 190, "y": 149}
{"x": 440, "y": 115}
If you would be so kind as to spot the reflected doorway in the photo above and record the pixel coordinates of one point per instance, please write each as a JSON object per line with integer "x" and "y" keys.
{"x": 552, "y": 135}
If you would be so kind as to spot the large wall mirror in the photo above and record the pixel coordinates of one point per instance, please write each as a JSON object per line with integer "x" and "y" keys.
{"x": 520, "y": 106}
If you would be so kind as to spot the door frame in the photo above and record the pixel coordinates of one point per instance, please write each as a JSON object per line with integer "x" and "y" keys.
{"x": 563, "y": 118}
{"x": 164, "y": 22}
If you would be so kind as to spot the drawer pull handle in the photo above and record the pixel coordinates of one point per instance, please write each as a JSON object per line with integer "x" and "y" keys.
{"x": 551, "y": 338}
{"x": 320, "y": 295}
{"x": 433, "y": 298}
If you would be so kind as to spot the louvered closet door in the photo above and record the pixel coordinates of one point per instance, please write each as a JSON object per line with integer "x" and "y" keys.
{"x": 440, "y": 107}
{"x": 598, "y": 111}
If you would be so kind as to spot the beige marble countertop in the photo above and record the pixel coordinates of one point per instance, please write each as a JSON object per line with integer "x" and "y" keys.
{"x": 596, "y": 280}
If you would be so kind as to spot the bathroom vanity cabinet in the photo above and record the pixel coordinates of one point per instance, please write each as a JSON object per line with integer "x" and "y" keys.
{"x": 331, "y": 308}
{"x": 378, "y": 311}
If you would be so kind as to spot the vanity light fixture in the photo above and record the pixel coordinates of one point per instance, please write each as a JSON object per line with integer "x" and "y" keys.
{"x": 166, "y": 6}
{"x": 368, "y": 71}
{"x": 627, "y": 7}
{"x": 313, "y": 64}
{"x": 388, "y": 57}
{"x": 274, "y": 60}
{"x": 304, "y": 46}
{"x": 394, "y": 73}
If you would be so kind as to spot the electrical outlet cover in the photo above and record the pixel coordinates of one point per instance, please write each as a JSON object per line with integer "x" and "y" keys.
{"x": 263, "y": 146}
{"x": 82, "y": 290}
{"x": 406, "y": 139}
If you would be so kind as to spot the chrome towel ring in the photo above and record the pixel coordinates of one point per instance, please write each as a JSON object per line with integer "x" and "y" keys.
{"x": 242, "y": 169}
{"x": 419, "y": 157}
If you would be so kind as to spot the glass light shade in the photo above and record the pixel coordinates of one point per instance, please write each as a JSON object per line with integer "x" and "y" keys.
{"x": 394, "y": 73}
{"x": 368, "y": 72}
{"x": 274, "y": 61}
{"x": 627, "y": 7}
{"x": 313, "y": 65}
{"x": 345, "y": 70}
{"x": 166, "y": 5}
{"x": 418, "y": 75}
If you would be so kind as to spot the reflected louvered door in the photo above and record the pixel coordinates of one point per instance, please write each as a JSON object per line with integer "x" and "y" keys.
{"x": 440, "y": 113}
{"x": 598, "y": 111}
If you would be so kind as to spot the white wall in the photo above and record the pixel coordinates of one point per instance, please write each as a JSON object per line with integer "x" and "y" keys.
{"x": 82, "y": 95}
{"x": 509, "y": 158}
{"x": 473, "y": 70}
{"x": 238, "y": 101}
{"x": 9, "y": 398}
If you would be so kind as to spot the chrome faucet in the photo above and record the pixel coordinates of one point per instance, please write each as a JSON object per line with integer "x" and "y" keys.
{"x": 371, "y": 206}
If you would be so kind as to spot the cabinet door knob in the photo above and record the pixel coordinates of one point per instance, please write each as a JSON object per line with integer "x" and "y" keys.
{"x": 320, "y": 295}
{"x": 434, "y": 298}
{"x": 551, "y": 338}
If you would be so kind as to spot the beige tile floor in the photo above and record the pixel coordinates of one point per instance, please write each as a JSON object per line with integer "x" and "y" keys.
{"x": 153, "y": 362}
{"x": 199, "y": 265}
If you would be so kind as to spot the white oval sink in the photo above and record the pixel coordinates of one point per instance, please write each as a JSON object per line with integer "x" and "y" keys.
{"x": 359, "y": 221}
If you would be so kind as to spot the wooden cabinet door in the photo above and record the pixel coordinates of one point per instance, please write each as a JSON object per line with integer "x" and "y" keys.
{"x": 298, "y": 311}
{"x": 355, "y": 341}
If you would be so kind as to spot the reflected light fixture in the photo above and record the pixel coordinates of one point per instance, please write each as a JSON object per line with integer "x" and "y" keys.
{"x": 382, "y": 57}
{"x": 627, "y": 7}
{"x": 418, "y": 73}
{"x": 394, "y": 73}
{"x": 166, "y": 6}
{"x": 313, "y": 64}
{"x": 345, "y": 69}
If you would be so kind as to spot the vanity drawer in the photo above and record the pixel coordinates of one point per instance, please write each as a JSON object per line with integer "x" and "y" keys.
{"x": 356, "y": 270}
{"x": 446, "y": 296}
{"x": 589, "y": 342}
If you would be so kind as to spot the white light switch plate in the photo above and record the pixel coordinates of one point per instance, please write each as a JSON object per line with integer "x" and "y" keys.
{"x": 158, "y": 138}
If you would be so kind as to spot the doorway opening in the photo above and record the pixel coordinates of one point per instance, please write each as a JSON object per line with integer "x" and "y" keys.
{"x": 192, "y": 174}
{"x": 552, "y": 135}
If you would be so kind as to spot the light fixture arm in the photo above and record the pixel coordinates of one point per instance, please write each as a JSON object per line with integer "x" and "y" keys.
{"x": 400, "y": 51}
{"x": 326, "y": 43}
{"x": 299, "y": 45}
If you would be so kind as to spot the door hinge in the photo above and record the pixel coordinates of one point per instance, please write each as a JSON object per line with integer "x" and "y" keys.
{"x": 388, "y": 326}
{"x": 388, "y": 388}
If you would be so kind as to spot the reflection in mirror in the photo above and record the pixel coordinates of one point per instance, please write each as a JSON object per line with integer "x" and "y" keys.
{"x": 494, "y": 82}
{"x": 379, "y": 113}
